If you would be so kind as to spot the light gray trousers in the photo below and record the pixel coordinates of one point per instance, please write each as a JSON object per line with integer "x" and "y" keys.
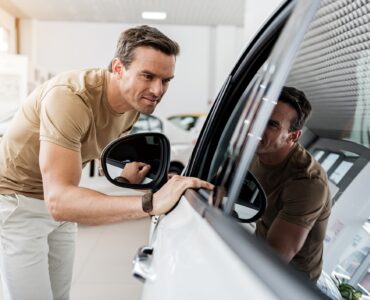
{"x": 36, "y": 252}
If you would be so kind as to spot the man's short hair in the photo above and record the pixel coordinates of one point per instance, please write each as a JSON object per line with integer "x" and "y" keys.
{"x": 296, "y": 99}
{"x": 142, "y": 36}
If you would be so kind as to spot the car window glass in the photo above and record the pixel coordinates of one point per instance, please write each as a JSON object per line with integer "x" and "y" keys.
{"x": 329, "y": 161}
{"x": 252, "y": 199}
{"x": 155, "y": 124}
{"x": 184, "y": 122}
{"x": 224, "y": 147}
{"x": 318, "y": 154}
{"x": 147, "y": 123}
{"x": 340, "y": 171}
{"x": 245, "y": 127}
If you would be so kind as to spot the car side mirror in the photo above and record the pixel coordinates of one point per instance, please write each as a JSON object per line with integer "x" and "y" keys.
{"x": 133, "y": 151}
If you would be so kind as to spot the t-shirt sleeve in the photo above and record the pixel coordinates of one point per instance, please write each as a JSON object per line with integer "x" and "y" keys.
{"x": 64, "y": 118}
{"x": 303, "y": 201}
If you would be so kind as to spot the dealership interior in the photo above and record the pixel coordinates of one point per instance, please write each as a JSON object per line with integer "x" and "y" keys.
{"x": 40, "y": 39}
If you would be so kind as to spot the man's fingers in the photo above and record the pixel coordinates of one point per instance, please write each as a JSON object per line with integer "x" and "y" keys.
{"x": 145, "y": 169}
{"x": 198, "y": 183}
{"x": 192, "y": 182}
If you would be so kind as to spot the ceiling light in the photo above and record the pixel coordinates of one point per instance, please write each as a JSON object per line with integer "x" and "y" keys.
{"x": 154, "y": 15}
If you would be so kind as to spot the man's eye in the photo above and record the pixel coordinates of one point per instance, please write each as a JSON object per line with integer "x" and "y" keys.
{"x": 272, "y": 124}
{"x": 166, "y": 81}
{"x": 148, "y": 76}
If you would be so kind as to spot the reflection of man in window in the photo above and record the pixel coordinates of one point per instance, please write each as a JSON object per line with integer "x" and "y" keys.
{"x": 298, "y": 199}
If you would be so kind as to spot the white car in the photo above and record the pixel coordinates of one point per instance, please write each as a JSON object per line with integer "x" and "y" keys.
{"x": 205, "y": 248}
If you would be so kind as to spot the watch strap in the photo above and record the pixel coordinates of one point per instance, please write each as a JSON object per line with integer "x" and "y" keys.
{"x": 147, "y": 202}
{"x": 121, "y": 179}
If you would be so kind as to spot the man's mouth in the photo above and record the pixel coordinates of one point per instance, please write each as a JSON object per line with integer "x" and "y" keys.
{"x": 152, "y": 100}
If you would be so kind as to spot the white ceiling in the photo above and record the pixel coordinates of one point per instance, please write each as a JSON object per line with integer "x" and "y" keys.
{"x": 181, "y": 12}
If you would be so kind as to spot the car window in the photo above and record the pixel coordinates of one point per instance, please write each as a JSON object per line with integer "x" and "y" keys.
{"x": 189, "y": 122}
{"x": 244, "y": 128}
{"x": 147, "y": 123}
{"x": 184, "y": 122}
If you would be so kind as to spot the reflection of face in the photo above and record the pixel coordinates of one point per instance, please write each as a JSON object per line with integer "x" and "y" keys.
{"x": 277, "y": 137}
{"x": 146, "y": 79}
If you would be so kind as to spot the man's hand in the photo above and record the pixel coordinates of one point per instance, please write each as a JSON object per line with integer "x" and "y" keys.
{"x": 171, "y": 192}
{"x": 135, "y": 172}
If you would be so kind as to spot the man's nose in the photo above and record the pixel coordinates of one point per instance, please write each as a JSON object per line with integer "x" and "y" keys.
{"x": 157, "y": 87}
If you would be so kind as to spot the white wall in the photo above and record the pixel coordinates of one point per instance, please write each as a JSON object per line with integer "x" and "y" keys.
{"x": 208, "y": 54}
{"x": 57, "y": 46}
{"x": 227, "y": 46}
{"x": 256, "y": 12}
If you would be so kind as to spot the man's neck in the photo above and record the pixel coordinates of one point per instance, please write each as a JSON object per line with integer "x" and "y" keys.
{"x": 113, "y": 95}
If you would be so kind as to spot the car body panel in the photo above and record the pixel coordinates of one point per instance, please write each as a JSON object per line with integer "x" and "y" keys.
{"x": 182, "y": 239}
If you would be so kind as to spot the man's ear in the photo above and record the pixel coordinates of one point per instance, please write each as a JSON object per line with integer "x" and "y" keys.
{"x": 295, "y": 135}
{"x": 117, "y": 68}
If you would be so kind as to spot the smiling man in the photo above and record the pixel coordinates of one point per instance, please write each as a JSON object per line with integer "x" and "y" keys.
{"x": 64, "y": 124}
{"x": 298, "y": 199}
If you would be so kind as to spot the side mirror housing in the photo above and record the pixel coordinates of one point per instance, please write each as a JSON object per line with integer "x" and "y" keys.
{"x": 150, "y": 148}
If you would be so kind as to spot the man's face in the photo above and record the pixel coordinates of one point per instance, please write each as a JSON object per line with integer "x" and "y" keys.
{"x": 144, "y": 82}
{"x": 277, "y": 137}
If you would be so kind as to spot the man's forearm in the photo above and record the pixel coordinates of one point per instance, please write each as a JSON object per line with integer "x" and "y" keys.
{"x": 86, "y": 206}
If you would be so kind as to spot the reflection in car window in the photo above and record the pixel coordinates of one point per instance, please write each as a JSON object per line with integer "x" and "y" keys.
{"x": 318, "y": 154}
{"x": 251, "y": 200}
{"x": 224, "y": 147}
{"x": 329, "y": 161}
{"x": 340, "y": 171}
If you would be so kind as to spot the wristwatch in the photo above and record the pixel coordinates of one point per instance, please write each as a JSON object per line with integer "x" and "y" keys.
{"x": 121, "y": 179}
{"x": 147, "y": 203}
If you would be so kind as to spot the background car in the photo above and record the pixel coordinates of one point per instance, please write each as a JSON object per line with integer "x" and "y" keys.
{"x": 192, "y": 122}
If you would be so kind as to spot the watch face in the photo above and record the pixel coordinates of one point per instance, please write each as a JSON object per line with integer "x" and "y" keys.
{"x": 147, "y": 202}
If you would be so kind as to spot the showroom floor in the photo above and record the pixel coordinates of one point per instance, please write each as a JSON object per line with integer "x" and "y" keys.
{"x": 102, "y": 268}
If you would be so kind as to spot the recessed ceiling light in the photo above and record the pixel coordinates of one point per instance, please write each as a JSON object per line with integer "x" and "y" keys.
{"x": 154, "y": 15}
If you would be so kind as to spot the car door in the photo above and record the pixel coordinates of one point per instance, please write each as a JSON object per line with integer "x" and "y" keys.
{"x": 200, "y": 250}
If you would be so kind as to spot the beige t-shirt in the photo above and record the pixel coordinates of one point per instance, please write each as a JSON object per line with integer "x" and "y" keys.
{"x": 70, "y": 110}
{"x": 297, "y": 192}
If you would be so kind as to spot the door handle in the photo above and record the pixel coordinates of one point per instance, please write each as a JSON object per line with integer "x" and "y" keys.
{"x": 141, "y": 268}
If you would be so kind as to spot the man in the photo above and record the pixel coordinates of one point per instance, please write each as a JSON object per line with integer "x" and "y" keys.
{"x": 64, "y": 124}
{"x": 298, "y": 199}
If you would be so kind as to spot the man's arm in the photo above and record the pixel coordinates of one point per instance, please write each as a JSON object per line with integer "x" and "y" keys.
{"x": 286, "y": 238}
{"x": 66, "y": 201}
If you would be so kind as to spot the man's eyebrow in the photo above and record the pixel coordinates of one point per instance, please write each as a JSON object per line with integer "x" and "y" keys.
{"x": 275, "y": 123}
{"x": 155, "y": 75}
